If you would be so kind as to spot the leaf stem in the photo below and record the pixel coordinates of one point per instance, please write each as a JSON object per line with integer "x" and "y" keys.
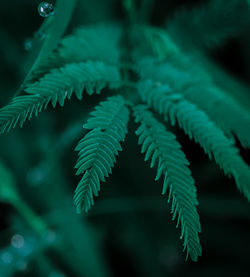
{"x": 35, "y": 222}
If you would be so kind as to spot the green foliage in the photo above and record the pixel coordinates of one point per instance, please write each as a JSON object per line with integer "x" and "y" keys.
{"x": 198, "y": 126}
{"x": 8, "y": 191}
{"x": 56, "y": 86}
{"x": 20, "y": 109}
{"x": 163, "y": 149}
{"x": 98, "y": 148}
{"x": 138, "y": 63}
{"x": 54, "y": 27}
{"x": 82, "y": 46}
{"x": 210, "y": 24}
{"x": 61, "y": 83}
{"x": 195, "y": 83}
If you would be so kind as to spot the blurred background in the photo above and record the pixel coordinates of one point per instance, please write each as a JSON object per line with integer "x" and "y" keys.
{"x": 129, "y": 231}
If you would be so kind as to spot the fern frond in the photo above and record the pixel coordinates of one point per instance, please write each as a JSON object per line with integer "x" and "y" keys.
{"x": 61, "y": 83}
{"x": 161, "y": 146}
{"x": 197, "y": 87}
{"x": 98, "y": 42}
{"x": 225, "y": 110}
{"x": 208, "y": 25}
{"x": 55, "y": 87}
{"x": 198, "y": 126}
{"x": 20, "y": 109}
{"x": 163, "y": 61}
{"x": 97, "y": 150}
{"x": 153, "y": 42}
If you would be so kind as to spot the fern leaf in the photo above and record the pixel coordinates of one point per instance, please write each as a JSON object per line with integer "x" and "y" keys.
{"x": 20, "y": 109}
{"x": 198, "y": 126}
{"x": 98, "y": 42}
{"x": 195, "y": 85}
{"x": 55, "y": 87}
{"x": 161, "y": 146}
{"x": 225, "y": 110}
{"x": 196, "y": 79}
{"x": 61, "y": 83}
{"x": 98, "y": 149}
{"x": 208, "y": 25}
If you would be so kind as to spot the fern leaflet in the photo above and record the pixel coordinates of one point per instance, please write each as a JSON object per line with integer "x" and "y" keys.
{"x": 20, "y": 109}
{"x": 198, "y": 126}
{"x": 161, "y": 146}
{"x": 61, "y": 83}
{"x": 55, "y": 87}
{"x": 87, "y": 43}
{"x": 210, "y": 24}
{"x": 98, "y": 148}
{"x": 196, "y": 86}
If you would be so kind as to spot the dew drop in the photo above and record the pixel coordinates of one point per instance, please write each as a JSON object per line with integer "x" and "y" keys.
{"x": 42, "y": 36}
{"x": 28, "y": 44}
{"x": 45, "y": 9}
{"x": 17, "y": 241}
{"x": 7, "y": 258}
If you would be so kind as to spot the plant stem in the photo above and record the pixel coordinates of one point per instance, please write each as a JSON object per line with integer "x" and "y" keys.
{"x": 35, "y": 222}
{"x": 130, "y": 9}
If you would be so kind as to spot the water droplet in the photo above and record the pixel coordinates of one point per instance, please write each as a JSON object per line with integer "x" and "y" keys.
{"x": 7, "y": 258}
{"x": 45, "y": 9}
{"x": 28, "y": 44}
{"x": 17, "y": 241}
{"x": 42, "y": 36}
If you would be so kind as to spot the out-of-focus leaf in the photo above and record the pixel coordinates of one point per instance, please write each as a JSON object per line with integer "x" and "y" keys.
{"x": 8, "y": 192}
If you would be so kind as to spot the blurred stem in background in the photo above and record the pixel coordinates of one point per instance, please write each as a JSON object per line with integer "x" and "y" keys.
{"x": 9, "y": 194}
{"x": 35, "y": 222}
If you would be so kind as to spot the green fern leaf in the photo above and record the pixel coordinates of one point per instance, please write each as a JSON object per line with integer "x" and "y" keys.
{"x": 161, "y": 146}
{"x": 97, "y": 150}
{"x": 61, "y": 83}
{"x": 55, "y": 87}
{"x": 98, "y": 42}
{"x": 198, "y": 126}
{"x": 20, "y": 109}
{"x": 208, "y": 25}
{"x": 196, "y": 86}
{"x": 194, "y": 78}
